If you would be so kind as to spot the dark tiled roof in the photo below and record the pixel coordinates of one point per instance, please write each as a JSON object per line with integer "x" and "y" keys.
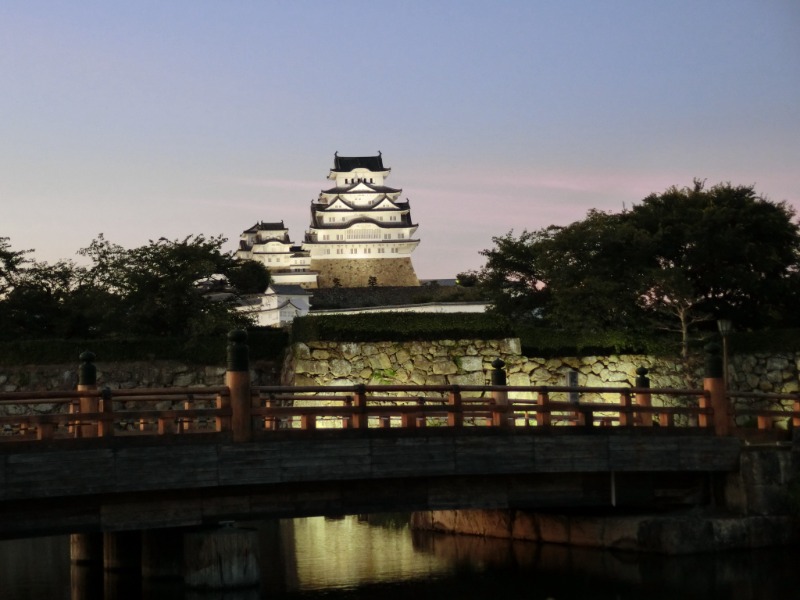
{"x": 348, "y": 163}
{"x": 381, "y": 189}
{"x": 403, "y": 223}
{"x": 289, "y": 289}
{"x": 262, "y": 226}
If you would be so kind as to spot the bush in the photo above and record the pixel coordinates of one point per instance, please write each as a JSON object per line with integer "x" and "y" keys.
{"x": 265, "y": 344}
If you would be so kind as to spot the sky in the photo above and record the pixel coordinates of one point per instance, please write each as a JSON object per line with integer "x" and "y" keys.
{"x": 150, "y": 119}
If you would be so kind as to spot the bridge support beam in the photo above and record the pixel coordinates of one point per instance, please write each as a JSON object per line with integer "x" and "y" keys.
{"x": 162, "y": 553}
{"x": 222, "y": 558}
{"x": 122, "y": 551}
{"x": 86, "y": 548}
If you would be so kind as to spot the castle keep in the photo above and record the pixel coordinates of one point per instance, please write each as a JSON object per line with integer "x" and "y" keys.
{"x": 361, "y": 234}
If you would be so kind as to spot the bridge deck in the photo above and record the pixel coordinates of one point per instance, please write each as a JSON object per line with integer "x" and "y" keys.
{"x": 105, "y": 484}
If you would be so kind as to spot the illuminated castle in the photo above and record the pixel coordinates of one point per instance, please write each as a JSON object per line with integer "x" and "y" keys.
{"x": 361, "y": 234}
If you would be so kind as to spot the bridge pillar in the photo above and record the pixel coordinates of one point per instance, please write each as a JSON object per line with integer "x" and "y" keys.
{"x": 221, "y": 558}
{"x": 162, "y": 553}
{"x": 237, "y": 378}
{"x": 122, "y": 551}
{"x": 86, "y": 548}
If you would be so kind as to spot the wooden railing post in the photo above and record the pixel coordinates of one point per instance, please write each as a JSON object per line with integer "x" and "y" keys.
{"x": 455, "y": 413}
{"x": 44, "y": 431}
{"x": 643, "y": 398}
{"x": 105, "y": 427}
{"x": 420, "y": 417}
{"x": 543, "y": 417}
{"x": 500, "y": 415}
{"x": 237, "y": 378}
{"x": 360, "y": 418}
{"x": 625, "y": 415}
{"x": 87, "y": 381}
{"x": 222, "y": 401}
{"x": 714, "y": 385}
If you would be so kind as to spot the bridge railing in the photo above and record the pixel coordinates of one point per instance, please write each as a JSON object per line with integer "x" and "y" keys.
{"x": 241, "y": 411}
{"x": 92, "y": 413}
{"x": 766, "y": 411}
{"x": 103, "y": 413}
{"x": 411, "y": 406}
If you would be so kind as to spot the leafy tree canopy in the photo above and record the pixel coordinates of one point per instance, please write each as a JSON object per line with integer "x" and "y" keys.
{"x": 676, "y": 260}
{"x": 144, "y": 291}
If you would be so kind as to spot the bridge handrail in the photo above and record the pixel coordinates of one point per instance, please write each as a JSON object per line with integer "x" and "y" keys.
{"x": 301, "y": 407}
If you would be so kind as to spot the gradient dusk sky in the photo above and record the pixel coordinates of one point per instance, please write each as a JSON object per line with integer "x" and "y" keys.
{"x": 145, "y": 119}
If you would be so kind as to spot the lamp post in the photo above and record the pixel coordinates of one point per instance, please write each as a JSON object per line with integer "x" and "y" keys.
{"x": 725, "y": 327}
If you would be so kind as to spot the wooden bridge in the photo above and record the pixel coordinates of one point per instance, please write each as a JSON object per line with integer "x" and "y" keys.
{"x": 100, "y": 460}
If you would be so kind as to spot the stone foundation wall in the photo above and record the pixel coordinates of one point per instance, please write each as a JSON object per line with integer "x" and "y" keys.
{"x": 759, "y": 507}
{"x": 664, "y": 534}
{"x": 127, "y": 375}
{"x": 442, "y": 362}
{"x": 356, "y": 273}
{"x": 468, "y": 362}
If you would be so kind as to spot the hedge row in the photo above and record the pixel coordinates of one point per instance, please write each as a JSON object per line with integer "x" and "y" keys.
{"x": 265, "y": 344}
{"x": 399, "y": 326}
{"x": 269, "y": 344}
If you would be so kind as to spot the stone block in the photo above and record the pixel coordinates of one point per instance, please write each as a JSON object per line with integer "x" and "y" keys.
{"x": 444, "y": 367}
{"x": 380, "y": 361}
{"x": 182, "y": 380}
{"x": 470, "y": 363}
{"x": 467, "y": 379}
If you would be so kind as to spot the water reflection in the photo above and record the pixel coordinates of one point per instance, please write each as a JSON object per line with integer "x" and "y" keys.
{"x": 351, "y": 559}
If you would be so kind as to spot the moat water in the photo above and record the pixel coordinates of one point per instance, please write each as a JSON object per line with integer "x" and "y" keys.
{"x": 351, "y": 558}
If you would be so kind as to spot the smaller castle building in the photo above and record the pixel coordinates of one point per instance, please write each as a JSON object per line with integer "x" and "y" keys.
{"x": 269, "y": 244}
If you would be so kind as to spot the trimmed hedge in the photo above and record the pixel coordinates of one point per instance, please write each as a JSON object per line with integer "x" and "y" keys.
{"x": 269, "y": 344}
{"x": 399, "y": 327}
{"x": 543, "y": 342}
{"x": 265, "y": 344}
{"x": 767, "y": 341}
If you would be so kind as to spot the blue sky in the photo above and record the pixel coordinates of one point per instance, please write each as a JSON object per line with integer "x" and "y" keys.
{"x": 147, "y": 119}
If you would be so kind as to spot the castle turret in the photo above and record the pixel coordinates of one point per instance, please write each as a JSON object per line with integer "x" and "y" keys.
{"x": 269, "y": 244}
{"x": 361, "y": 232}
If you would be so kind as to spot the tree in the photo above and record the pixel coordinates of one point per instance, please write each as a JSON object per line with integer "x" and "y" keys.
{"x": 718, "y": 252}
{"x": 153, "y": 286}
{"x": 35, "y": 305}
{"x": 512, "y": 277}
{"x": 678, "y": 259}
{"x": 11, "y": 261}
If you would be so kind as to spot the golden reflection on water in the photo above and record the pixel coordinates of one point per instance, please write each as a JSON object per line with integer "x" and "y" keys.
{"x": 348, "y": 552}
